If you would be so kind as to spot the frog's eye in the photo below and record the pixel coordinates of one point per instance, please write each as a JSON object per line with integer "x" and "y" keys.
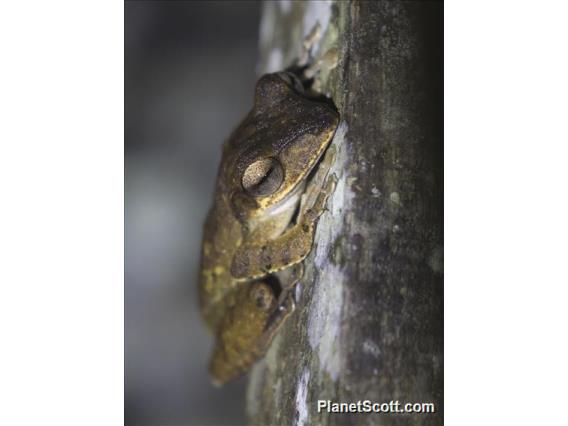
{"x": 263, "y": 177}
{"x": 292, "y": 81}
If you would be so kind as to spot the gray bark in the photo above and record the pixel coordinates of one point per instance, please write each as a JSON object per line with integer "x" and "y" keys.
{"x": 369, "y": 319}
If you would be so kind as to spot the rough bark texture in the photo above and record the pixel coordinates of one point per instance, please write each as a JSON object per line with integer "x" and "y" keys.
{"x": 369, "y": 320}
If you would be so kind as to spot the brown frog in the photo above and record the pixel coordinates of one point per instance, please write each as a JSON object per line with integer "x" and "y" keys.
{"x": 261, "y": 226}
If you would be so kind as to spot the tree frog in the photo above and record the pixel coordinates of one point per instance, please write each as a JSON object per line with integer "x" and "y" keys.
{"x": 272, "y": 186}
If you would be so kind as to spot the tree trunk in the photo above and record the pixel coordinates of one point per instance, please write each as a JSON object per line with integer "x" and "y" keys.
{"x": 369, "y": 317}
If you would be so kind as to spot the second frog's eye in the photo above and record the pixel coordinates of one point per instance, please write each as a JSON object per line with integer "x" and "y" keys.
{"x": 263, "y": 177}
{"x": 292, "y": 81}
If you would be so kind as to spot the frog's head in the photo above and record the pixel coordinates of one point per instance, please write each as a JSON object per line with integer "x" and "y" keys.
{"x": 272, "y": 152}
{"x": 244, "y": 333}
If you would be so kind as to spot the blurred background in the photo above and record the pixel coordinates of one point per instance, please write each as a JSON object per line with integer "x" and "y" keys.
{"x": 189, "y": 79}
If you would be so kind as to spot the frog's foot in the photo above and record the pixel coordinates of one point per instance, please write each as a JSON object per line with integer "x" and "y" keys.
{"x": 320, "y": 186}
{"x": 313, "y": 213}
{"x": 309, "y": 41}
{"x": 295, "y": 274}
{"x": 328, "y": 61}
{"x": 287, "y": 280}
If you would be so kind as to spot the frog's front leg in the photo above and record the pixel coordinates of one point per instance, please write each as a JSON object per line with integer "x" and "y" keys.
{"x": 259, "y": 258}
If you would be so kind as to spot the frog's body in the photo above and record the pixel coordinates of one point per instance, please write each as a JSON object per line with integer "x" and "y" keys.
{"x": 263, "y": 220}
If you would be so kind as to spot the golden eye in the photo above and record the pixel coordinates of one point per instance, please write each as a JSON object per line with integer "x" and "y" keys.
{"x": 263, "y": 177}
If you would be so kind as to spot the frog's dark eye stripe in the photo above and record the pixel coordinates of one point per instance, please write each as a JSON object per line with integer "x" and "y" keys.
{"x": 262, "y": 177}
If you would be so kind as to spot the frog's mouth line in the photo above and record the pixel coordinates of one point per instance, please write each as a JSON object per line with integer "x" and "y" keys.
{"x": 286, "y": 203}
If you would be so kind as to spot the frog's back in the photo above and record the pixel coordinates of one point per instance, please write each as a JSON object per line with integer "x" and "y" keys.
{"x": 222, "y": 236}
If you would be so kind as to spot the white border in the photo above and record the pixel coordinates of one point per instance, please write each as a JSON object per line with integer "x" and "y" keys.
{"x": 61, "y": 219}
{"x": 506, "y": 212}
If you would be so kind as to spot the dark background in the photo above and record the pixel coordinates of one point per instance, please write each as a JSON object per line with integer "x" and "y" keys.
{"x": 189, "y": 79}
